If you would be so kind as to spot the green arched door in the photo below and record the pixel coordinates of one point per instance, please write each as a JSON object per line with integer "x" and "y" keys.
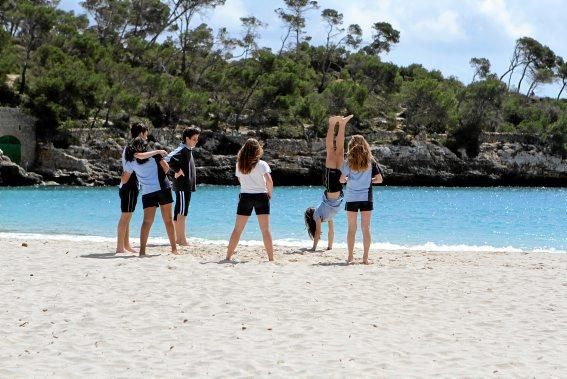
{"x": 12, "y": 148}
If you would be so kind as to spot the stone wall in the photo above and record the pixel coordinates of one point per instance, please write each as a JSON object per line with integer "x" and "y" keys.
{"x": 14, "y": 122}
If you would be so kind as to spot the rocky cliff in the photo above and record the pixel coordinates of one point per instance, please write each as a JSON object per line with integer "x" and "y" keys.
{"x": 405, "y": 161}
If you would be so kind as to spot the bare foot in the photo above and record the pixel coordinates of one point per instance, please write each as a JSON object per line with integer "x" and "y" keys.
{"x": 183, "y": 243}
{"x": 131, "y": 250}
{"x": 347, "y": 119}
{"x": 329, "y": 248}
{"x": 174, "y": 252}
{"x": 142, "y": 254}
{"x": 366, "y": 262}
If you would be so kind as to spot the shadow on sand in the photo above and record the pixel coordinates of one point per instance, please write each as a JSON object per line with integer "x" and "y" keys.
{"x": 303, "y": 250}
{"x": 332, "y": 264}
{"x": 116, "y": 256}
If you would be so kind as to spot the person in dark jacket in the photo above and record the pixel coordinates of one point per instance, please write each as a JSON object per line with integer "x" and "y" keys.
{"x": 182, "y": 162}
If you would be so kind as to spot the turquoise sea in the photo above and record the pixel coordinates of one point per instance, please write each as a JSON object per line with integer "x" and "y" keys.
{"x": 424, "y": 218}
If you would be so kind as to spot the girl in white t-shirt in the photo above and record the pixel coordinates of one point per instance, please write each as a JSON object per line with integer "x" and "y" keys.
{"x": 255, "y": 193}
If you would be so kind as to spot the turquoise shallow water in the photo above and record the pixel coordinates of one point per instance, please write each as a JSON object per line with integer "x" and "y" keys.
{"x": 530, "y": 219}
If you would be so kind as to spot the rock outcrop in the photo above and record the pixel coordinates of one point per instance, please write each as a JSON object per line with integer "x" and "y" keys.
{"x": 13, "y": 175}
{"x": 405, "y": 161}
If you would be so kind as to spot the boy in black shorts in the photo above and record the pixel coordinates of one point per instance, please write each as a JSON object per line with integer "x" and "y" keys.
{"x": 182, "y": 162}
{"x": 128, "y": 193}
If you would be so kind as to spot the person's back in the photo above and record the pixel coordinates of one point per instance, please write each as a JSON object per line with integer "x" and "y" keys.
{"x": 359, "y": 171}
{"x": 359, "y": 185}
{"x": 254, "y": 181}
{"x": 148, "y": 173}
{"x": 255, "y": 193}
{"x": 156, "y": 190}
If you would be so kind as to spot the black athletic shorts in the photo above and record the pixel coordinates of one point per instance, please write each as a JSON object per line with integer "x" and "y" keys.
{"x": 331, "y": 180}
{"x": 128, "y": 199}
{"x": 257, "y": 201}
{"x": 355, "y": 206}
{"x": 182, "y": 200}
{"x": 155, "y": 199}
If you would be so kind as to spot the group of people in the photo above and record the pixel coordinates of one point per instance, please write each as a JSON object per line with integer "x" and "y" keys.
{"x": 152, "y": 169}
{"x": 149, "y": 170}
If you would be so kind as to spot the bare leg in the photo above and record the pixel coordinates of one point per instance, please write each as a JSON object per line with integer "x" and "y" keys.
{"x": 181, "y": 238}
{"x": 236, "y": 233}
{"x": 149, "y": 215}
{"x": 122, "y": 229}
{"x": 329, "y": 142}
{"x": 351, "y": 234}
{"x": 264, "y": 221}
{"x": 367, "y": 238}
{"x": 169, "y": 228}
{"x": 340, "y": 142}
{"x": 127, "y": 245}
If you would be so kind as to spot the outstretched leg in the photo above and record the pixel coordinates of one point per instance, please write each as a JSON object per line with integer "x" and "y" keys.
{"x": 235, "y": 236}
{"x": 264, "y": 222}
{"x": 169, "y": 228}
{"x": 329, "y": 142}
{"x": 340, "y": 141}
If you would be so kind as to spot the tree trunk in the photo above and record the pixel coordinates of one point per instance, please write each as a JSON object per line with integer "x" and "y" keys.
{"x": 523, "y": 74}
{"x": 23, "y": 78}
{"x": 562, "y": 88}
{"x": 109, "y": 105}
{"x": 284, "y": 41}
{"x": 243, "y": 104}
{"x": 167, "y": 24}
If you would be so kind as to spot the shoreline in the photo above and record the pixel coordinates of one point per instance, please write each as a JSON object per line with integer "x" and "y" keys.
{"x": 75, "y": 308}
{"x": 377, "y": 247}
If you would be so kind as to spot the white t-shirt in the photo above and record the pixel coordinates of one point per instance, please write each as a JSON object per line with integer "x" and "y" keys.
{"x": 254, "y": 182}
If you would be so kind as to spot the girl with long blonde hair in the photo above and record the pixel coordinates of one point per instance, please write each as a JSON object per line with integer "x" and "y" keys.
{"x": 359, "y": 172}
{"x": 256, "y": 187}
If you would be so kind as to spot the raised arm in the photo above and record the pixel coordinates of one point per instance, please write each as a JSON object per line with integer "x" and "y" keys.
{"x": 331, "y": 234}
{"x": 149, "y": 154}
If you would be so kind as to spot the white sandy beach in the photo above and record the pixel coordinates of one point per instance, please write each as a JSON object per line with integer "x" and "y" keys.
{"x": 76, "y": 309}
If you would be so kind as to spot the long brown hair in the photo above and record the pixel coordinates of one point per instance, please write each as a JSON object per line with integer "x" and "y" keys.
{"x": 359, "y": 155}
{"x": 249, "y": 154}
{"x": 310, "y": 221}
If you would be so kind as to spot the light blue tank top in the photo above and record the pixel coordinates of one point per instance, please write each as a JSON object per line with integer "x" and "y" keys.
{"x": 359, "y": 184}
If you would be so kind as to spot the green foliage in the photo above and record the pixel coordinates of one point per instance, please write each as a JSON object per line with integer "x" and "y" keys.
{"x": 558, "y": 136}
{"x": 66, "y": 90}
{"x": 478, "y": 110}
{"x": 378, "y": 77}
{"x": 429, "y": 105}
{"x": 149, "y": 58}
